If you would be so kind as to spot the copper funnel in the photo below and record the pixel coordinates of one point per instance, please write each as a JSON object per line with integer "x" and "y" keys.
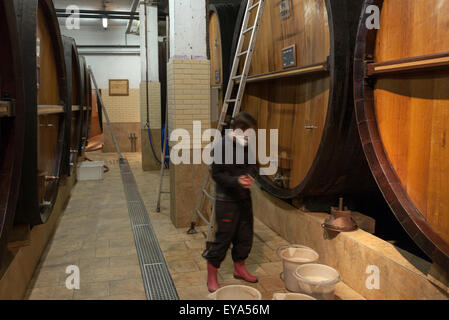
{"x": 340, "y": 220}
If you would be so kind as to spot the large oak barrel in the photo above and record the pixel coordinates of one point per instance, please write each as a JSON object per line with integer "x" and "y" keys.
{"x": 87, "y": 103}
{"x": 95, "y": 119}
{"x": 300, "y": 83}
{"x": 45, "y": 108}
{"x": 402, "y": 103}
{"x": 75, "y": 87}
{"x": 11, "y": 121}
{"x": 222, "y": 20}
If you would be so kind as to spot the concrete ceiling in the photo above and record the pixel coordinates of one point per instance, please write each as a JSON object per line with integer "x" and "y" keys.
{"x": 111, "y": 5}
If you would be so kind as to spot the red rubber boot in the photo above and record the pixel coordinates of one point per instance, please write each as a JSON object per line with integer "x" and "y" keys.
{"x": 240, "y": 272}
{"x": 212, "y": 282}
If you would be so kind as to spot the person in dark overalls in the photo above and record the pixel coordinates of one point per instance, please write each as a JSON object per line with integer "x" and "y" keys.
{"x": 233, "y": 207}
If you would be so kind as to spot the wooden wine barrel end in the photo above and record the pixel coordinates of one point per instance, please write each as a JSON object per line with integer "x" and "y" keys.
{"x": 300, "y": 82}
{"x": 222, "y": 20}
{"x": 95, "y": 123}
{"x": 402, "y": 102}
{"x": 72, "y": 146}
{"x": 11, "y": 122}
{"x": 90, "y": 106}
{"x": 45, "y": 108}
{"x": 83, "y": 107}
{"x": 87, "y": 103}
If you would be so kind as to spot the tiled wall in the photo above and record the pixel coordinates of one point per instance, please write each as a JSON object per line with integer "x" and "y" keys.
{"x": 154, "y": 104}
{"x": 122, "y": 108}
{"x": 188, "y": 83}
{"x": 124, "y": 114}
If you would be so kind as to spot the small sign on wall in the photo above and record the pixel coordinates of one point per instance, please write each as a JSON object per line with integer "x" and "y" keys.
{"x": 285, "y": 6}
{"x": 119, "y": 87}
{"x": 289, "y": 57}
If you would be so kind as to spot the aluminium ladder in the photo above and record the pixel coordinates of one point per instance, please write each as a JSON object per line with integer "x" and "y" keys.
{"x": 164, "y": 158}
{"x": 232, "y": 97}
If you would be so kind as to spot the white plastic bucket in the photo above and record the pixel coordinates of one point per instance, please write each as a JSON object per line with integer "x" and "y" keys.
{"x": 292, "y": 296}
{"x": 236, "y": 292}
{"x": 293, "y": 256}
{"x": 317, "y": 280}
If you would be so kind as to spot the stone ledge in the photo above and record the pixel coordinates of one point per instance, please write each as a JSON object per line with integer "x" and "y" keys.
{"x": 403, "y": 276}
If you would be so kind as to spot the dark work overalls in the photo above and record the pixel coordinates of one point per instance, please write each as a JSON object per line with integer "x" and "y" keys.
{"x": 233, "y": 209}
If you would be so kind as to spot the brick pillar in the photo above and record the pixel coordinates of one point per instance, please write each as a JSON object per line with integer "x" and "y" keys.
{"x": 188, "y": 101}
{"x": 188, "y": 95}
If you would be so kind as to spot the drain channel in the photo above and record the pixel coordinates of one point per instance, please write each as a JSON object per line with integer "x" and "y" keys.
{"x": 157, "y": 280}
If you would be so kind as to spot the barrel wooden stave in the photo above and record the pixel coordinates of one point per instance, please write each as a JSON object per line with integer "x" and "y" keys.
{"x": 72, "y": 144}
{"x": 44, "y": 133}
{"x": 402, "y": 118}
{"x": 87, "y": 103}
{"x": 11, "y": 128}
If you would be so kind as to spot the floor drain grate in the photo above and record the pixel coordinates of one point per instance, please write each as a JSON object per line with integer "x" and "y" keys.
{"x": 157, "y": 280}
{"x": 158, "y": 276}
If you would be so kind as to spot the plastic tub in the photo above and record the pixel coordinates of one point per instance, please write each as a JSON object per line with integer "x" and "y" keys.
{"x": 90, "y": 170}
{"x": 293, "y": 256}
{"x": 317, "y": 280}
{"x": 292, "y": 296}
{"x": 236, "y": 292}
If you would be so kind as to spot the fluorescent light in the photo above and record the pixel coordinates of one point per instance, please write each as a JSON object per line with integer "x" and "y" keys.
{"x": 105, "y": 22}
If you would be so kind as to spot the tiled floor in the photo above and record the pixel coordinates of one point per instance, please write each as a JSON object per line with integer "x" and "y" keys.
{"x": 94, "y": 233}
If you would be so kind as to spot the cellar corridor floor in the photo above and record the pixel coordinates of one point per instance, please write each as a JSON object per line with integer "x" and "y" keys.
{"x": 94, "y": 233}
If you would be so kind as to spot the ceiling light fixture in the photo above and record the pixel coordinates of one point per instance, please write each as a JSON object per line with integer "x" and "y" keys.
{"x": 105, "y": 22}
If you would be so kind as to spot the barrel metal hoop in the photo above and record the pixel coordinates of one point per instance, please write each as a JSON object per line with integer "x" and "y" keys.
{"x": 7, "y": 108}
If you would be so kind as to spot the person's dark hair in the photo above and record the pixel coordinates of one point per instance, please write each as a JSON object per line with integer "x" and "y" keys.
{"x": 244, "y": 121}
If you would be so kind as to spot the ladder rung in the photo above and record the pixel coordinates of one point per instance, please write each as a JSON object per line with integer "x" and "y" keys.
{"x": 254, "y": 6}
{"x": 231, "y": 100}
{"x": 237, "y": 77}
{"x": 248, "y": 30}
{"x": 207, "y": 194}
{"x": 242, "y": 53}
{"x": 200, "y": 214}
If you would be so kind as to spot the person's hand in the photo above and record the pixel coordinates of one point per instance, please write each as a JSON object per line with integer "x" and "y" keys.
{"x": 246, "y": 181}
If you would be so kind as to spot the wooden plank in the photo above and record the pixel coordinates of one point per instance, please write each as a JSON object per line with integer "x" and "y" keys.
{"x": 49, "y": 109}
{"x": 422, "y": 63}
{"x": 297, "y": 72}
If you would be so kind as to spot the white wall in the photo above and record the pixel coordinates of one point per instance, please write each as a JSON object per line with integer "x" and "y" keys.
{"x": 107, "y": 63}
{"x": 152, "y": 42}
{"x": 188, "y": 29}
